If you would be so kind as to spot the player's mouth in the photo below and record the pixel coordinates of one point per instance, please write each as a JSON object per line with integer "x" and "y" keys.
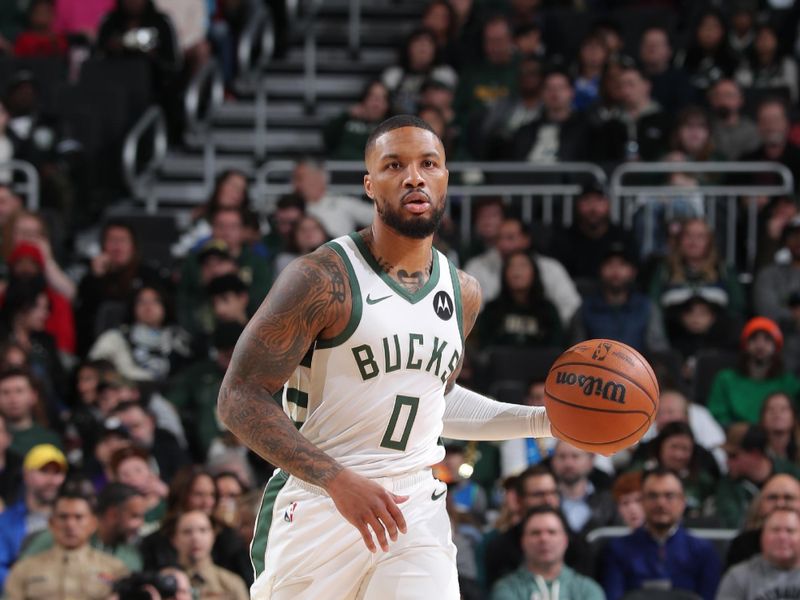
{"x": 416, "y": 202}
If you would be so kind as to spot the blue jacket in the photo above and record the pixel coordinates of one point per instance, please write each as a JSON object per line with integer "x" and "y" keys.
{"x": 12, "y": 531}
{"x": 690, "y": 563}
{"x": 627, "y": 323}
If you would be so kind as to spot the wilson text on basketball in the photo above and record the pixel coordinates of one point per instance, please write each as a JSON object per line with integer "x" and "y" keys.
{"x": 597, "y": 386}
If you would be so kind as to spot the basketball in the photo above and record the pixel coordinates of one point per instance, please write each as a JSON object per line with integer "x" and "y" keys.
{"x": 601, "y": 396}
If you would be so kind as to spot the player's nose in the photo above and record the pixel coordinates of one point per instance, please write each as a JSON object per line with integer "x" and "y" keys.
{"x": 413, "y": 176}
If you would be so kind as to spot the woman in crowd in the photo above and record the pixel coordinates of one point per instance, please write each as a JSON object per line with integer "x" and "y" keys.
{"x": 779, "y": 420}
{"x": 193, "y": 489}
{"x": 708, "y": 56}
{"x": 418, "y": 63}
{"x": 149, "y": 347}
{"x": 521, "y": 315}
{"x": 346, "y": 135}
{"x": 307, "y": 235}
{"x": 589, "y": 69}
{"x": 767, "y": 67}
{"x": 134, "y": 466}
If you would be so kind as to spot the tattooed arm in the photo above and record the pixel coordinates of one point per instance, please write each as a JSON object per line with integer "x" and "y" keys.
{"x": 310, "y": 299}
{"x": 471, "y": 416}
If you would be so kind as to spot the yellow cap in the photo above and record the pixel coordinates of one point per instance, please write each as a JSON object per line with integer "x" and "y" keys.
{"x": 44, "y": 454}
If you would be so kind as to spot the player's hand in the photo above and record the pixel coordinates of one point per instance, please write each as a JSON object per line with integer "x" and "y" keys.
{"x": 368, "y": 507}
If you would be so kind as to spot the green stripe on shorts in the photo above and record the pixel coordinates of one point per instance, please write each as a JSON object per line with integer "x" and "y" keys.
{"x": 264, "y": 519}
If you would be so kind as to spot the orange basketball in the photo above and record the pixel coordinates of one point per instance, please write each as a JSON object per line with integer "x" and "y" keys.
{"x": 601, "y": 396}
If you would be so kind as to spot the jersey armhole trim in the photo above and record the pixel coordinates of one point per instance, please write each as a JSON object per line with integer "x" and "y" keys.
{"x": 457, "y": 298}
{"x": 355, "y": 293}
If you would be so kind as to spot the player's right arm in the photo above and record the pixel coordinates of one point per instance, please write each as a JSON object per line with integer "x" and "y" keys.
{"x": 310, "y": 299}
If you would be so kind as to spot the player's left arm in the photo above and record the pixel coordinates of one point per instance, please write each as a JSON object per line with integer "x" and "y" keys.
{"x": 472, "y": 416}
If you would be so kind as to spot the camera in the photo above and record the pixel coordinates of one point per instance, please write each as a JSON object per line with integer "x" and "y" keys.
{"x": 143, "y": 39}
{"x": 133, "y": 586}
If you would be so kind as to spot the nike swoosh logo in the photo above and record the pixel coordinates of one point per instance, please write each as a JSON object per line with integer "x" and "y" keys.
{"x": 435, "y": 496}
{"x": 376, "y": 300}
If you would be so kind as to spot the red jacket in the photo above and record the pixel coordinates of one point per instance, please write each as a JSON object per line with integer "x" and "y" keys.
{"x": 31, "y": 43}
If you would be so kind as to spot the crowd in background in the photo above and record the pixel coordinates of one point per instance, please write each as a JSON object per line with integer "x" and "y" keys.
{"x": 113, "y": 463}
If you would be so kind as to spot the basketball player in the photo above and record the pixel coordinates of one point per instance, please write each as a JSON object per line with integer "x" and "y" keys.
{"x": 362, "y": 342}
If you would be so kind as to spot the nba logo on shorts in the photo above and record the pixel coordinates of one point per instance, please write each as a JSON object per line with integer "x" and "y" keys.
{"x": 288, "y": 516}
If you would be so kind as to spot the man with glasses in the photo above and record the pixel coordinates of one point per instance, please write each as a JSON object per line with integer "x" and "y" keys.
{"x": 780, "y": 491}
{"x": 536, "y": 487}
{"x": 661, "y": 554}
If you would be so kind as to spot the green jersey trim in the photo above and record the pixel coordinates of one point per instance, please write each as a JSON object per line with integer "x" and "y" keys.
{"x": 414, "y": 297}
{"x": 258, "y": 548}
{"x": 457, "y": 294}
{"x": 356, "y": 309}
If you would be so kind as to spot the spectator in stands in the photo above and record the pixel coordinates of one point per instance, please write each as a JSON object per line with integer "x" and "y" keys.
{"x": 308, "y": 234}
{"x": 72, "y": 566}
{"x": 610, "y": 32}
{"x": 437, "y": 94}
{"x": 584, "y": 506}
{"x": 617, "y": 311}
{"x": 491, "y": 79}
{"x": 766, "y": 68}
{"x": 133, "y": 466}
{"x": 41, "y": 38}
{"x": 777, "y": 283}
{"x": 30, "y": 227}
{"x": 590, "y": 64}
{"x": 779, "y": 420}
{"x": 536, "y": 487}
{"x": 229, "y": 299}
{"x": 487, "y": 217}
{"x": 640, "y": 130}
{"x": 193, "y": 539}
{"x": 441, "y": 127}
{"x": 521, "y": 315}
{"x": 190, "y": 21}
{"x": 10, "y": 469}
{"x": 749, "y": 468}
{"x": 23, "y": 411}
{"x": 197, "y": 271}
{"x": 81, "y": 17}
{"x": 161, "y": 444}
{"x": 733, "y": 133}
{"x": 111, "y": 438}
{"x": 560, "y": 134}
{"x": 120, "y": 515}
{"x": 780, "y": 491}
{"x": 230, "y": 191}
{"x": 773, "y": 127}
{"x": 346, "y": 135}
{"x": 44, "y": 469}
{"x": 742, "y": 31}
{"x": 440, "y": 19}
{"x": 194, "y": 392}
{"x": 581, "y": 248}
{"x": 518, "y": 454}
{"x": 27, "y": 264}
{"x": 661, "y": 550}
{"x": 627, "y": 493}
{"x": 338, "y": 214}
{"x": 104, "y": 292}
{"x": 691, "y": 136}
{"x": 193, "y": 488}
{"x": 230, "y": 489}
{"x": 149, "y": 347}
{"x": 418, "y": 62}
{"x": 776, "y": 569}
{"x": 738, "y": 394}
{"x": 669, "y": 86}
{"x": 529, "y": 42}
{"x": 676, "y": 449}
{"x": 514, "y": 237}
{"x": 708, "y": 55}
{"x": 136, "y": 27}
{"x": 504, "y": 118}
{"x": 693, "y": 267}
{"x": 288, "y": 211}
{"x": 544, "y": 543}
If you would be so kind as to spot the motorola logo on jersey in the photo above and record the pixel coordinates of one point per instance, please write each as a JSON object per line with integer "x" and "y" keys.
{"x": 443, "y": 305}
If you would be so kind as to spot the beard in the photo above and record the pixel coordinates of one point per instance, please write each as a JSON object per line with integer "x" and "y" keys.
{"x": 416, "y": 226}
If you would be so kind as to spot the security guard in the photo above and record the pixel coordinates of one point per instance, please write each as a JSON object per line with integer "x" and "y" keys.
{"x": 72, "y": 569}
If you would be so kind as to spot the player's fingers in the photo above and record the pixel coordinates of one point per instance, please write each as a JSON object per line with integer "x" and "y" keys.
{"x": 380, "y": 533}
{"x": 389, "y": 523}
{"x": 396, "y": 513}
{"x": 367, "y": 535}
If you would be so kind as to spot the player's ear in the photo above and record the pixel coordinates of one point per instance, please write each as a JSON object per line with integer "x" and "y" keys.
{"x": 368, "y": 186}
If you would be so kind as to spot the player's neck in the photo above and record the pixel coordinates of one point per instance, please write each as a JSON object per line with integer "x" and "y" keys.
{"x": 398, "y": 253}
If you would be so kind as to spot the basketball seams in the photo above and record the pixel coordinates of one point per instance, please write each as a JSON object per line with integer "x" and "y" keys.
{"x": 610, "y": 370}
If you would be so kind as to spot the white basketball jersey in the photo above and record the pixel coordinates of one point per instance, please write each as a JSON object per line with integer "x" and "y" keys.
{"x": 373, "y": 397}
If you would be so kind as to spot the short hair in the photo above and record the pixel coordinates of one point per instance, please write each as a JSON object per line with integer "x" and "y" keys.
{"x": 546, "y": 509}
{"x": 772, "y": 100}
{"x": 129, "y": 404}
{"x": 225, "y": 210}
{"x": 659, "y": 472}
{"x": 18, "y": 372}
{"x": 115, "y": 494}
{"x": 225, "y": 284}
{"x": 627, "y": 483}
{"x": 396, "y": 122}
{"x": 77, "y": 489}
{"x": 119, "y": 223}
{"x": 290, "y": 201}
{"x": 530, "y": 473}
{"x": 125, "y": 453}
